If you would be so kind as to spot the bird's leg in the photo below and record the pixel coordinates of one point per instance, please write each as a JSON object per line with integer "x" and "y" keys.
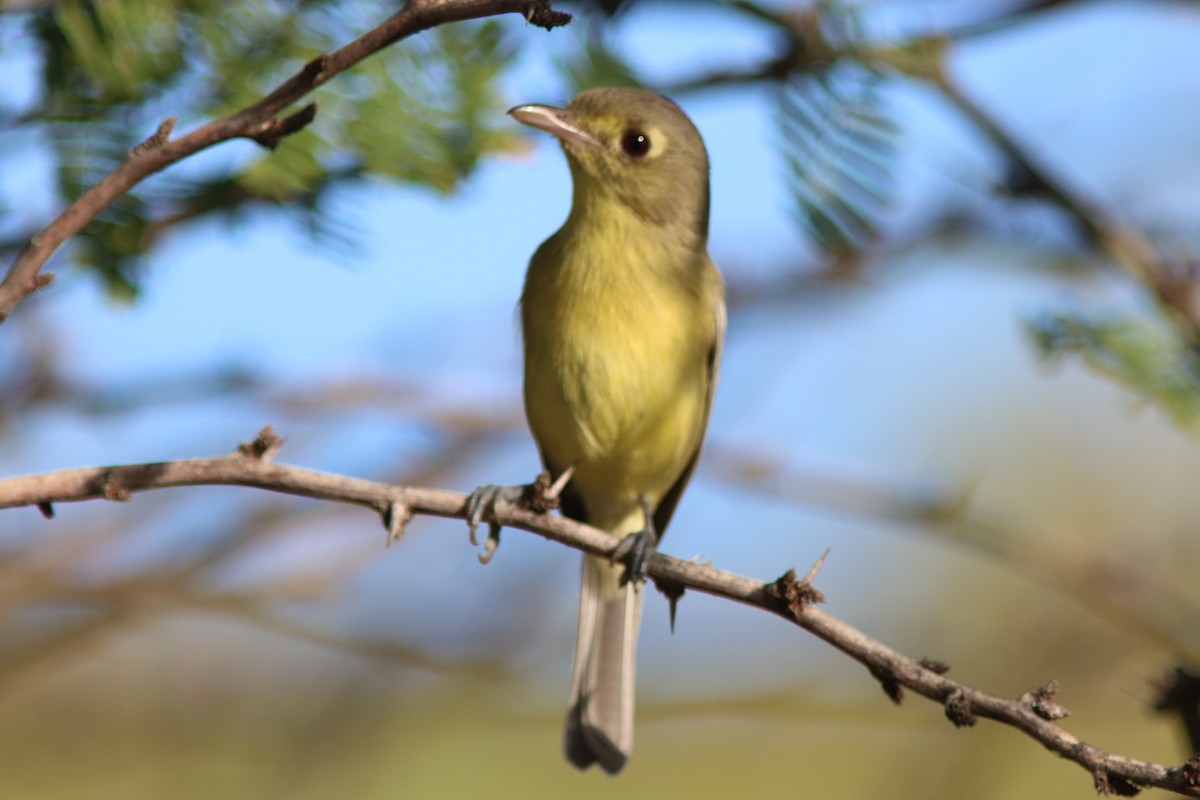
{"x": 540, "y": 496}
{"x": 636, "y": 548}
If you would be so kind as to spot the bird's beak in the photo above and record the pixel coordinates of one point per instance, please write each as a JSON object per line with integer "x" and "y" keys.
{"x": 553, "y": 120}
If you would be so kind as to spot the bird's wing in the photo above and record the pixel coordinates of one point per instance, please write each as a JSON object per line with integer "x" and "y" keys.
{"x": 666, "y": 506}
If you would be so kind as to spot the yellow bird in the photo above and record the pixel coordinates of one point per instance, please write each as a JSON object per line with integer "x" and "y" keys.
{"x": 623, "y": 316}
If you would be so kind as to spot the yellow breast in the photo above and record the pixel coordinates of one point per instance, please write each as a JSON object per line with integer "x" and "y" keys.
{"x": 617, "y": 337}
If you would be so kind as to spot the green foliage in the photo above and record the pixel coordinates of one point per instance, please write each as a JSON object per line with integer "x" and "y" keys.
{"x": 839, "y": 142}
{"x": 423, "y": 111}
{"x": 595, "y": 63}
{"x": 100, "y": 54}
{"x": 1143, "y": 354}
{"x": 439, "y": 97}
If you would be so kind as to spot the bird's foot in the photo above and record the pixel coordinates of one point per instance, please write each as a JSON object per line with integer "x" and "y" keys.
{"x": 635, "y": 550}
{"x": 482, "y": 502}
{"x": 540, "y": 496}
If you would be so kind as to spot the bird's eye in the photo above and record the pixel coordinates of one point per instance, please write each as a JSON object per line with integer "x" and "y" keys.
{"x": 635, "y": 144}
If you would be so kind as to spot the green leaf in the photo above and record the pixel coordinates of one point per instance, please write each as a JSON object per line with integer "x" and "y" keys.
{"x": 839, "y": 143}
{"x": 1143, "y": 354}
{"x": 838, "y": 136}
{"x": 595, "y": 63}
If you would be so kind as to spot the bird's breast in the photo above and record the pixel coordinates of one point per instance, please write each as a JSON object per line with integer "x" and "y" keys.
{"x": 616, "y": 375}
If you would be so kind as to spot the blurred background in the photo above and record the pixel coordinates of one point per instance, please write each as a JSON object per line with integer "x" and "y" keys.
{"x": 933, "y": 368}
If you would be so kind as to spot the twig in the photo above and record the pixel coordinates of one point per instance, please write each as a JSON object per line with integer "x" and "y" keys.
{"x": 1008, "y": 17}
{"x": 1033, "y": 713}
{"x": 1171, "y": 285}
{"x": 259, "y": 122}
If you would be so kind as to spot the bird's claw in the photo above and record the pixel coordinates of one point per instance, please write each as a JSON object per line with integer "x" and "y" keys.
{"x": 491, "y": 544}
{"x": 636, "y": 548}
{"x": 482, "y": 502}
{"x": 540, "y": 496}
{"x": 479, "y": 502}
{"x": 634, "y": 552}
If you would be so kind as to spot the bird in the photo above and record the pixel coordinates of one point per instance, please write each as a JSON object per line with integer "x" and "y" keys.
{"x": 622, "y": 318}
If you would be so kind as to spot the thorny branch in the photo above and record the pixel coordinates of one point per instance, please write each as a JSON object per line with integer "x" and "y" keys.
{"x": 260, "y": 122}
{"x": 1034, "y": 713}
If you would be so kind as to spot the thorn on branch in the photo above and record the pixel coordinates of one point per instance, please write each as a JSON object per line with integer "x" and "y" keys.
{"x": 1041, "y": 702}
{"x": 313, "y": 69}
{"x": 817, "y": 597}
{"x": 794, "y": 593}
{"x": 542, "y": 495}
{"x": 43, "y": 280}
{"x": 539, "y": 13}
{"x": 959, "y": 711}
{"x": 935, "y": 666}
{"x": 46, "y": 509}
{"x": 673, "y": 591}
{"x": 270, "y": 133}
{"x": 264, "y": 447}
{"x": 799, "y": 593}
{"x": 1107, "y": 783}
{"x": 1191, "y": 771}
{"x": 889, "y": 683}
{"x": 161, "y": 136}
{"x": 395, "y": 518}
{"x": 554, "y": 493}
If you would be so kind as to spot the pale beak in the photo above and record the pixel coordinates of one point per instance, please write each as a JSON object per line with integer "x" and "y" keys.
{"x": 553, "y": 120}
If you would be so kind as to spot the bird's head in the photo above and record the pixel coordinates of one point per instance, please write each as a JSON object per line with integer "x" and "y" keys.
{"x": 634, "y": 147}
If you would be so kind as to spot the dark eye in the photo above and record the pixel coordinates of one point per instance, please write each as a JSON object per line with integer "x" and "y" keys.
{"x": 635, "y": 144}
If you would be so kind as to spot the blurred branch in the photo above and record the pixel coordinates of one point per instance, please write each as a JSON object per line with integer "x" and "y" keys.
{"x": 1034, "y": 713}
{"x": 260, "y": 122}
{"x": 817, "y": 39}
{"x": 1173, "y": 286}
{"x": 1019, "y": 13}
{"x": 100, "y": 607}
{"x": 1124, "y": 594}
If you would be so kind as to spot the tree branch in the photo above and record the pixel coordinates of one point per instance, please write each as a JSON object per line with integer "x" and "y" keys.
{"x": 1034, "y": 713}
{"x": 1006, "y": 18}
{"x": 1173, "y": 286}
{"x": 259, "y": 122}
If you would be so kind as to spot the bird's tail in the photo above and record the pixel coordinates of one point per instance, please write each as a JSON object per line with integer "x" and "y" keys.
{"x": 600, "y": 718}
